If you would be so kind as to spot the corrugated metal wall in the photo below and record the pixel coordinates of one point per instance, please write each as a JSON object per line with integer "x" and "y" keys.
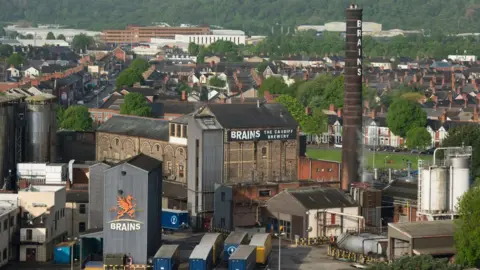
{"x": 222, "y": 217}
{"x": 95, "y": 195}
{"x": 212, "y": 167}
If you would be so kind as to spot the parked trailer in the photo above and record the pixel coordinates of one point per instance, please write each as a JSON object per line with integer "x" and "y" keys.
{"x": 364, "y": 243}
{"x": 174, "y": 219}
{"x": 166, "y": 258}
{"x": 93, "y": 266}
{"x": 263, "y": 244}
{"x": 63, "y": 252}
{"x": 234, "y": 240}
{"x": 201, "y": 258}
{"x": 215, "y": 240}
{"x": 243, "y": 258}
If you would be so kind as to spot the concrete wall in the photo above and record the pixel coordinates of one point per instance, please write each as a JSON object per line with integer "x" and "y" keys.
{"x": 96, "y": 195}
{"x": 335, "y": 224}
{"x": 222, "y": 217}
{"x": 73, "y": 217}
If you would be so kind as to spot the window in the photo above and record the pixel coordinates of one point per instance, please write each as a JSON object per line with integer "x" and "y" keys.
{"x": 169, "y": 167}
{"x": 223, "y": 196}
{"x": 180, "y": 151}
{"x": 82, "y": 209}
{"x": 264, "y": 152}
{"x": 184, "y": 131}
{"x": 179, "y": 131}
{"x": 264, "y": 193}
{"x": 5, "y": 224}
{"x": 180, "y": 171}
{"x": 81, "y": 227}
{"x": 117, "y": 142}
{"x": 333, "y": 219}
{"x": 158, "y": 147}
{"x": 4, "y": 254}
{"x": 172, "y": 129}
{"x": 29, "y": 234}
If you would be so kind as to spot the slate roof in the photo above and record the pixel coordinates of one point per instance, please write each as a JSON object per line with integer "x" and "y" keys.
{"x": 180, "y": 107}
{"x": 145, "y": 162}
{"x": 77, "y": 196}
{"x": 136, "y": 126}
{"x": 146, "y": 91}
{"x": 316, "y": 198}
{"x": 248, "y": 115}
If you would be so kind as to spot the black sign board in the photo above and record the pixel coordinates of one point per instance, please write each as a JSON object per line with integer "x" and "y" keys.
{"x": 261, "y": 135}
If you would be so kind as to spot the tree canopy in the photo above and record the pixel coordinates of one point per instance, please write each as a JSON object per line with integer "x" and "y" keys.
{"x": 405, "y": 115}
{"x": 273, "y": 85}
{"x": 75, "y": 118}
{"x": 133, "y": 74}
{"x": 5, "y": 50}
{"x": 217, "y": 82}
{"x": 16, "y": 60}
{"x": 316, "y": 123}
{"x": 82, "y": 42}
{"x": 50, "y": 35}
{"x": 135, "y": 104}
{"x": 418, "y": 138}
{"x": 61, "y": 36}
{"x": 467, "y": 135}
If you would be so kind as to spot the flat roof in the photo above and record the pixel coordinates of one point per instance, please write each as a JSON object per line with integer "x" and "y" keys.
{"x": 43, "y": 188}
{"x": 166, "y": 251}
{"x": 200, "y": 252}
{"x": 425, "y": 229}
{"x": 7, "y": 206}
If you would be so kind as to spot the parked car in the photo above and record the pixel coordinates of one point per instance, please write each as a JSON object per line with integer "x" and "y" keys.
{"x": 337, "y": 145}
{"x": 415, "y": 151}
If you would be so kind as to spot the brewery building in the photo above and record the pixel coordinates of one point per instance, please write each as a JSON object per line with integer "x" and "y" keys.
{"x": 238, "y": 143}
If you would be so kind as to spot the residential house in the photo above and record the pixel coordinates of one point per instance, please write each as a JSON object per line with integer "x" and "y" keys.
{"x": 254, "y": 59}
{"x": 335, "y": 60}
{"x": 383, "y": 64}
{"x": 270, "y": 70}
{"x": 30, "y": 71}
{"x": 13, "y": 74}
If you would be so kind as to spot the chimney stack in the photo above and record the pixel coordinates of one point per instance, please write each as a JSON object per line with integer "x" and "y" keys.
{"x": 306, "y": 76}
{"x": 443, "y": 117}
{"x": 373, "y": 114}
{"x": 332, "y": 108}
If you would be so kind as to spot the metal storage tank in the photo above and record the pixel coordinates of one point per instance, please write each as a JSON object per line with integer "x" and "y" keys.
{"x": 201, "y": 258}
{"x": 7, "y": 137}
{"x": 435, "y": 189}
{"x": 364, "y": 243}
{"x": 41, "y": 129}
{"x": 263, "y": 244}
{"x": 234, "y": 240}
{"x": 215, "y": 240}
{"x": 242, "y": 259}
{"x": 459, "y": 180}
{"x": 166, "y": 258}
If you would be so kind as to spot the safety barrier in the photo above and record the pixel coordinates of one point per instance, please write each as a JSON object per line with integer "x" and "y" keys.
{"x": 313, "y": 241}
{"x": 339, "y": 253}
{"x": 128, "y": 267}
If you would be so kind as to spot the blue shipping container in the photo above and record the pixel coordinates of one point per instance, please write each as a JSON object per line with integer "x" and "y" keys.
{"x": 201, "y": 258}
{"x": 233, "y": 241}
{"x": 174, "y": 219}
{"x": 166, "y": 258}
{"x": 63, "y": 253}
{"x": 244, "y": 258}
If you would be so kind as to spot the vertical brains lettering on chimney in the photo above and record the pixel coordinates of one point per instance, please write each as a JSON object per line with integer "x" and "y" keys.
{"x": 352, "y": 108}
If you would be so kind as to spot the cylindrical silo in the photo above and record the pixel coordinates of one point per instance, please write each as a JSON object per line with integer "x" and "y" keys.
{"x": 460, "y": 180}
{"x": 7, "y": 136}
{"x": 435, "y": 189}
{"x": 39, "y": 129}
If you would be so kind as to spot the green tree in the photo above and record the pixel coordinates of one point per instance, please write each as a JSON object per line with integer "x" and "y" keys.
{"x": 315, "y": 124}
{"x": 310, "y": 93}
{"x": 294, "y": 107}
{"x": 217, "y": 82}
{"x": 273, "y": 85}
{"x": 128, "y": 77}
{"x": 16, "y": 60}
{"x": 466, "y": 135}
{"x": 262, "y": 66}
{"x": 29, "y": 36}
{"x": 50, "y": 35}
{"x": 61, "y": 37}
{"x": 2, "y": 31}
{"x": 467, "y": 231}
{"x": 333, "y": 93}
{"x": 5, "y": 50}
{"x": 76, "y": 118}
{"x": 82, "y": 42}
{"x": 139, "y": 65}
{"x": 135, "y": 104}
{"x": 60, "y": 115}
{"x": 424, "y": 262}
{"x": 193, "y": 49}
{"x": 418, "y": 138}
{"x": 404, "y": 115}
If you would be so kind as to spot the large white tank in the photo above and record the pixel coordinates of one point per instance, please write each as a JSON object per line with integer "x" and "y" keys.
{"x": 364, "y": 243}
{"x": 435, "y": 189}
{"x": 460, "y": 180}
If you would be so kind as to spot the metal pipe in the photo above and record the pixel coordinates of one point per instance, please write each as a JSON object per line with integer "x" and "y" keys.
{"x": 444, "y": 148}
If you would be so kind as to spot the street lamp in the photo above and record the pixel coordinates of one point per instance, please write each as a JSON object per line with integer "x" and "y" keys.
{"x": 279, "y": 235}
{"x": 75, "y": 239}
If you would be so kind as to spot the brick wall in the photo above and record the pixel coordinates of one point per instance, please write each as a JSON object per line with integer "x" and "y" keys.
{"x": 403, "y": 213}
{"x": 318, "y": 170}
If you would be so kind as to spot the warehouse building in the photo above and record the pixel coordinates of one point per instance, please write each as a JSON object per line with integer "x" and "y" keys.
{"x": 314, "y": 212}
{"x": 238, "y": 143}
{"x": 421, "y": 238}
{"x": 132, "y": 209}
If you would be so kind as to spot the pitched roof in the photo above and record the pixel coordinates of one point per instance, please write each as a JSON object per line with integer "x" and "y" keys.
{"x": 146, "y": 91}
{"x": 316, "y": 198}
{"x": 249, "y": 115}
{"x": 136, "y": 126}
{"x": 145, "y": 162}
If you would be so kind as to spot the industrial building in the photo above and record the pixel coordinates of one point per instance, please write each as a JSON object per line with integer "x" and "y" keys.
{"x": 237, "y": 143}
{"x": 315, "y": 212}
{"x": 132, "y": 209}
{"x": 95, "y": 191}
{"x": 9, "y": 212}
{"x": 137, "y": 34}
{"x": 368, "y": 27}
{"x": 421, "y": 238}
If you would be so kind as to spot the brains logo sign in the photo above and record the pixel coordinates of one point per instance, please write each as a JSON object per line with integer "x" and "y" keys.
{"x": 126, "y": 207}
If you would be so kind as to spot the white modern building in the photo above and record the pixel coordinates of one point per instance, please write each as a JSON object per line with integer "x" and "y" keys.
{"x": 463, "y": 58}
{"x": 43, "y": 42}
{"x": 42, "y": 223}
{"x": 43, "y": 173}
{"x": 209, "y": 39}
{"x": 150, "y": 50}
{"x": 43, "y": 32}
{"x": 340, "y": 27}
{"x": 8, "y": 226}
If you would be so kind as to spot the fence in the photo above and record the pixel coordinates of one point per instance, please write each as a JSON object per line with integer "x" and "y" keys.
{"x": 128, "y": 267}
{"x": 339, "y": 253}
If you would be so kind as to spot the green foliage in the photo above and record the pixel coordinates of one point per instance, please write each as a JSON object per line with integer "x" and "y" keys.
{"x": 423, "y": 262}
{"x": 75, "y": 118}
{"x": 62, "y": 37}
{"x": 82, "y": 42}
{"x": 28, "y": 36}
{"x": 217, "y": 82}
{"x": 418, "y": 138}
{"x": 311, "y": 124}
{"x": 294, "y": 107}
{"x": 468, "y": 135}
{"x": 405, "y": 115}
{"x": 128, "y": 77}
{"x": 467, "y": 231}
{"x": 184, "y": 87}
{"x": 139, "y": 65}
{"x": 5, "y": 50}
{"x": 135, "y": 104}
{"x": 60, "y": 115}
{"x": 262, "y": 66}
{"x": 16, "y": 60}
{"x": 50, "y": 35}
{"x": 273, "y": 85}
{"x": 193, "y": 49}
{"x": 316, "y": 124}
{"x": 333, "y": 93}
{"x": 2, "y": 31}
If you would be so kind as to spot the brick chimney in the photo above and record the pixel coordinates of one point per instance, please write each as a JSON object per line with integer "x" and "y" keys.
{"x": 401, "y": 79}
{"x": 373, "y": 113}
{"x": 450, "y": 98}
{"x": 435, "y": 106}
{"x": 475, "y": 114}
{"x": 332, "y": 108}
{"x": 339, "y": 113}
{"x": 184, "y": 96}
{"x": 443, "y": 81}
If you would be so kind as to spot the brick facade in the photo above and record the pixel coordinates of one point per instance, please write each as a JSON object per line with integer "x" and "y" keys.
{"x": 318, "y": 170}
{"x": 260, "y": 161}
{"x": 113, "y": 147}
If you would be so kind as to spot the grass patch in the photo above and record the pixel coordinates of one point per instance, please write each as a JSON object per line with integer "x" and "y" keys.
{"x": 382, "y": 159}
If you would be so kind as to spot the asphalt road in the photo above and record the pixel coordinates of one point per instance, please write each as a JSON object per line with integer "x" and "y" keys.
{"x": 97, "y": 99}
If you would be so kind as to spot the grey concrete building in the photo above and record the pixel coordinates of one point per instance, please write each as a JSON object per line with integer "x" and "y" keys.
{"x": 223, "y": 207}
{"x": 237, "y": 143}
{"x": 95, "y": 194}
{"x": 76, "y": 216}
{"x": 132, "y": 208}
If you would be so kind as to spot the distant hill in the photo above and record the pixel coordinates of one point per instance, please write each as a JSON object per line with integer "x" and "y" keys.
{"x": 254, "y": 16}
